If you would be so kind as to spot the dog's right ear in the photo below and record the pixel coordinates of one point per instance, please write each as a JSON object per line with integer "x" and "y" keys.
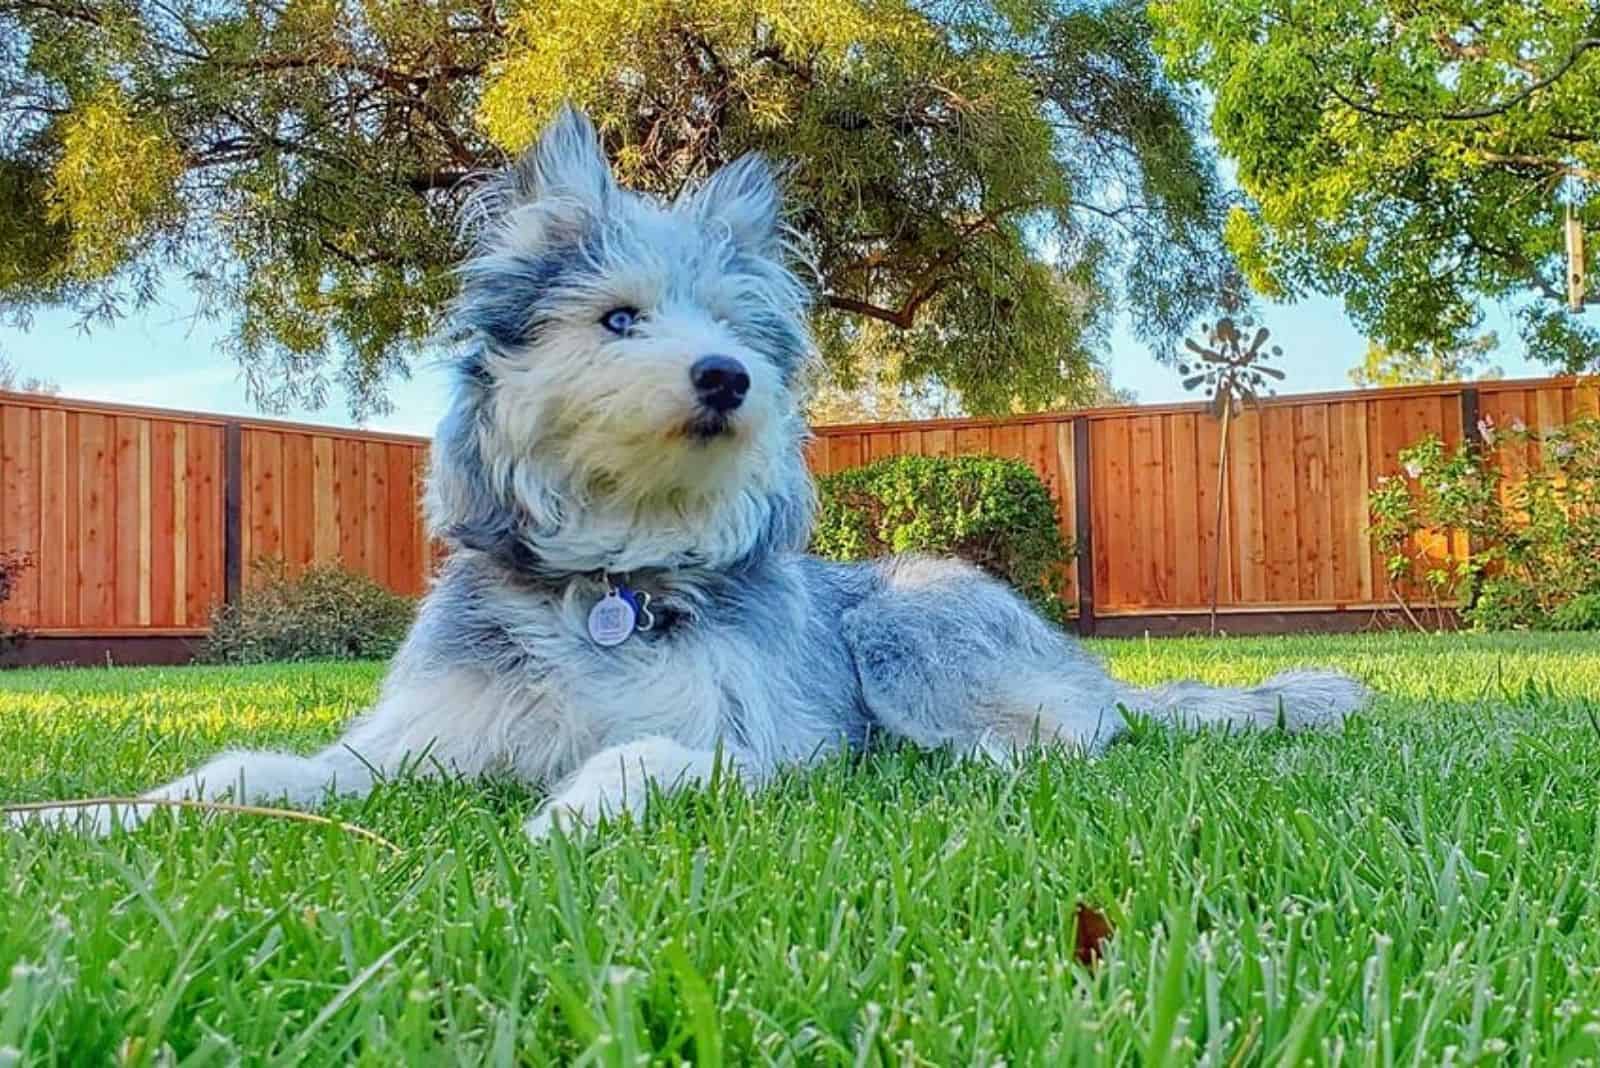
{"x": 566, "y": 168}
{"x": 564, "y": 175}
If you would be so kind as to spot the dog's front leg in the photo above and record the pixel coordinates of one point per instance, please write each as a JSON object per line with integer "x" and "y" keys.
{"x": 420, "y": 725}
{"x": 618, "y": 780}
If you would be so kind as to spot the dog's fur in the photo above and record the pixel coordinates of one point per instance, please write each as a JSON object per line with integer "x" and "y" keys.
{"x": 572, "y": 456}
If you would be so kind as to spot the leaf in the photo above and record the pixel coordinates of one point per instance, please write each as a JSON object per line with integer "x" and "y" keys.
{"x": 1091, "y": 930}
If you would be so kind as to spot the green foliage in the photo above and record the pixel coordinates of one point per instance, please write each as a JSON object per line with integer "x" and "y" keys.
{"x": 1533, "y": 557}
{"x": 1408, "y": 158}
{"x": 1384, "y": 367}
{"x": 980, "y": 183}
{"x": 1411, "y": 885}
{"x": 12, "y": 565}
{"x": 322, "y": 613}
{"x": 994, "y": 512}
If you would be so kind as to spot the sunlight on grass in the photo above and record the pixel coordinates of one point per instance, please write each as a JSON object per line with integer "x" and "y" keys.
{"x": 1424, "y": 885}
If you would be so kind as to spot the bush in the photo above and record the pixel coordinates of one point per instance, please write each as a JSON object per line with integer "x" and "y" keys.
{"x": 991, "y": 511}
{"x": 323, "y": 613}
{"x": 1533, "y": 539}
{"x": 12, "y": 564}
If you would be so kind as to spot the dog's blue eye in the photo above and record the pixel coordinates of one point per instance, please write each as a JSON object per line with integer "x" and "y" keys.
{"x": 620, "y": 320}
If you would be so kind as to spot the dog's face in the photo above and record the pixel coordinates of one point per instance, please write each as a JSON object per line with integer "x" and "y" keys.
{"x": 630, "y": 362}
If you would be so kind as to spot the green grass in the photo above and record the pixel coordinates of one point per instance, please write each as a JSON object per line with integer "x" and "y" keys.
{"x": 1424, "y": 885}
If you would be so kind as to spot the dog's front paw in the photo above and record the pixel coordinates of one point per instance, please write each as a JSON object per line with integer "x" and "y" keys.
{"x": 580, "y": 807}
{"x": 95, "y": 821}
{"x": 552, "y": 814}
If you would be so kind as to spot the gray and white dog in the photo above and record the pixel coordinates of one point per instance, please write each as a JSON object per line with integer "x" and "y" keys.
{"x": 621, "y": 479}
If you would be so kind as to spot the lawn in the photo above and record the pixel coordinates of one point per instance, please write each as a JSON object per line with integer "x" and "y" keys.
{"x": 1422, "y": 888}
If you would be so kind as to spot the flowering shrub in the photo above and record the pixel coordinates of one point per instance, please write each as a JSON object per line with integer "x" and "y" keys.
{"x": 12, "y": 564}
{"x": 1532, "y": 554}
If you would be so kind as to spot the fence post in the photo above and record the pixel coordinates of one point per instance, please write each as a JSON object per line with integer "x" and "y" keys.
{"x": 1083, "y": 490}
{"x": 1469, "y": 417}
{"x": 232, "y": 496}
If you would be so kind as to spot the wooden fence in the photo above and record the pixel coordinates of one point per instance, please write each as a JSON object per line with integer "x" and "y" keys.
{"x": 141, "y": 520}
{"x": 1137, "y": 488}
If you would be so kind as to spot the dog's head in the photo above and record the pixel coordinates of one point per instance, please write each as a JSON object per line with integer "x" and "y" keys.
{"x": 628, "y": 395}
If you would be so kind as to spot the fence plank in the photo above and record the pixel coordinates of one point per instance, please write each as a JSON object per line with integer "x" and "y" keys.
{"x": 19, "y": 523}
{"x": 350, "y": 459}
{"x": 1147, "y": 531}
{"x": 1280, "y": 519}
{"x": 126, "y": 520}
{"x": 404, "y": 566}
{"x": 1184, "y": 503}
{"x": 263, "y": 499}
{"x": 96, "y": 538}
{"x": 57, "y": 569}
{"x": 376, "y": 497}
{"x": 325, "y": 501}
{"x": 299, "y": 538}
{"x": 207, "y": 578}
{"x": 1244, "y": 476}
{"x": 160, "y": 605}
{"x": 1209, "y": 566}
{"x": 844, "y": 452}
{"x": 1312, "y": 503}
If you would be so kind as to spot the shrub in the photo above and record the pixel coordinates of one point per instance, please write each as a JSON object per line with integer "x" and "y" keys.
{"x": 991, "y": 511}
{"x": 12, "y": 564}
{"x": 322, "y": 613}
{"x": 1533, "y": 539}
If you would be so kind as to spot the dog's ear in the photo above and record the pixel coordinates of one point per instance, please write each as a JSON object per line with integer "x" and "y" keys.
{"x": 746, "y": 197}
{"x": 564, "y": 174}
{"x": 567, "y": 164}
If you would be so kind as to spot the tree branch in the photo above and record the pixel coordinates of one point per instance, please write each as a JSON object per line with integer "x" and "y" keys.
{"x": 1484, "y": 112}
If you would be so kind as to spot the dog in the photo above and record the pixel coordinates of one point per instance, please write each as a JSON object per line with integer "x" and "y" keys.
{"x": 627, "y": 603}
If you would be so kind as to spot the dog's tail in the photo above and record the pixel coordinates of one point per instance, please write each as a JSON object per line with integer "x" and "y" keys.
{"x": 1299, "y": 700}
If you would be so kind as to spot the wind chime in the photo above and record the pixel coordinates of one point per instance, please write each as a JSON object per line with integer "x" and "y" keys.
{"x": 1234, "y": 372}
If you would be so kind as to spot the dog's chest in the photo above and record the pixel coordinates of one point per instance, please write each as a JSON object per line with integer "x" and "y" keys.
{"x": 574, "y": 696}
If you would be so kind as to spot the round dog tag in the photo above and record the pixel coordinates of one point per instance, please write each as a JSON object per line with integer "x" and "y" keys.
{"x": 611, "y": 620}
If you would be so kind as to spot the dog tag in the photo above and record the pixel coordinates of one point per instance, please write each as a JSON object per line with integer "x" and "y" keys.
{"x": 611, "y": 620}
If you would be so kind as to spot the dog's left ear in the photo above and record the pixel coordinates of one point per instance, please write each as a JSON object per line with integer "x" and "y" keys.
{"x": 746, "y": 197}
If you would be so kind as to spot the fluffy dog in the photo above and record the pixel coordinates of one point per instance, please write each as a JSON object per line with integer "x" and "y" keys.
{"x": 620, "y": 477}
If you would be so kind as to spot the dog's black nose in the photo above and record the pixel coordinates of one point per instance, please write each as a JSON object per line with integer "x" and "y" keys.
{"x": 720, "y": 382}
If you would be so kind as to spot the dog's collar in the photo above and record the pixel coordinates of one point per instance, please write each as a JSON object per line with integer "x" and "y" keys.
{"x": 667, "y": 611}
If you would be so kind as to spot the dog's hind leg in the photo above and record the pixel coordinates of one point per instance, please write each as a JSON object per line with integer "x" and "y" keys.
{"x": 950, "y": 658}
{"x": 397, "y": 735}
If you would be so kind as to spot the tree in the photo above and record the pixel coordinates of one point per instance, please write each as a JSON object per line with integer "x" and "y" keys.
{"x": 980, "y": 183}
{"x": 12, "y": 380}
{"x": 1384, "y": 366}
{"x": 1413, "y": 159}
{"x": 881, "y": 393}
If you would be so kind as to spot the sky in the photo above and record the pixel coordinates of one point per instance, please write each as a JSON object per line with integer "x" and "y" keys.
{"x": 164, "y": 356}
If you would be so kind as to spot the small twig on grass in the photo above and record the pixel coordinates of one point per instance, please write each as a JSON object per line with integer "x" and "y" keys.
{"x": 209, "y": 806}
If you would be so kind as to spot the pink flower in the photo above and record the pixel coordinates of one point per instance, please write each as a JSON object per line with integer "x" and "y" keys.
{"x": 1412, "y": 468}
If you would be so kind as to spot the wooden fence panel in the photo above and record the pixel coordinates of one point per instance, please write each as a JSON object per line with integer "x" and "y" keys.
{"x": 117, "y": 509}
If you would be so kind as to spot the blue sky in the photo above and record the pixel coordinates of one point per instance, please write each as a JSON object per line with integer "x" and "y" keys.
{"x": 165, "y": 357}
